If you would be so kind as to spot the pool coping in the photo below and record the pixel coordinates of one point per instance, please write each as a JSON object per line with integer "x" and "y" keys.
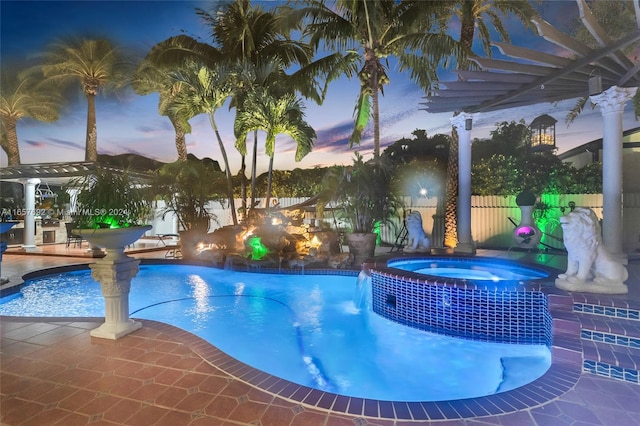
{"x": 562, "y": 375}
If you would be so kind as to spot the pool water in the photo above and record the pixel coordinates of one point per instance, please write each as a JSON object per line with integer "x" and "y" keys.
{"x": 470, "y": 269}
{"x": 306, "y": 329}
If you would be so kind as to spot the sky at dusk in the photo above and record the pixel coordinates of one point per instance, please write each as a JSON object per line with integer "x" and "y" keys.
{"x": 130, "y": 123}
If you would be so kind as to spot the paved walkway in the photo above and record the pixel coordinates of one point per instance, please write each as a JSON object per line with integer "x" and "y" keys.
{"x": 52, "y": 372}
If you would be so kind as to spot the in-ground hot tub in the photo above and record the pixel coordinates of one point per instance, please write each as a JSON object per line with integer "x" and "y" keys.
{"x": 470, "y": 269}
{"x": 510, "y": 310}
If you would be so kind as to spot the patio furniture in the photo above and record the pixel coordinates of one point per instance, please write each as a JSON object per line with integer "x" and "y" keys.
{"x": 71, "y": 237}
{"x": 174, "y": 251}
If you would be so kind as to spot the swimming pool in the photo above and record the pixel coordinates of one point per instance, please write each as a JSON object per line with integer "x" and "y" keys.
{"x": 306, "y": 329}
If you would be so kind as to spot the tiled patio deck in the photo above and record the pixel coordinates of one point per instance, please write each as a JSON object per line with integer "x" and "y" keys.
{"x": 53, "y": 372}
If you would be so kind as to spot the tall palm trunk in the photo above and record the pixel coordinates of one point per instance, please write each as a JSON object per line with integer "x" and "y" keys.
{"x": 253, "y": 168}
{"x": 376, "y": 117}
{"x": 10, "y": 142}
{"x": 232, "y": 204}
{"x": 91, "y": 146}
{"x": 243, "y": 186}
{"x": 181, "y": 143}
{"x": 467, "y": 32}
{"x": 371, "y": 65}
{"x": 269, "y": 180}
{"x": 451, "y": 199}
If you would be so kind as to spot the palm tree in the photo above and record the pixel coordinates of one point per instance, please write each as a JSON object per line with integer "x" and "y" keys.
{"x": 205, "y": 91}
{"x": 378, "y": 29}
{"x": 258, "y": 42}
{"x": 252, "y": 77}
{"x": 96, "y": 65}
{"x": 149, "y": 78}
{"x": 23, "y": 95}
{"x": 252, "y": 37}
{"x": 246, "y": 32}
{"x": 275, "y": 115}
{"x": 474, "y": 14}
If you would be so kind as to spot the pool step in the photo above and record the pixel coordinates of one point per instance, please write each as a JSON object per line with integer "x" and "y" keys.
{"x": 567, "y": 346}
{"x": 609, "y": 348}
{"x": 614, "y": 361}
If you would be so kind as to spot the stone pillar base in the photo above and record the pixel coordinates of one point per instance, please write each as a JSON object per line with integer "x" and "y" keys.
{"x": 442, "y": 250}
{"x": 409, "y": 249}
{"x": 115, "y": 331}
{"x": 592, "y": 287}
{"x": 621, "y": 258}
{"x": 465, "y": 248}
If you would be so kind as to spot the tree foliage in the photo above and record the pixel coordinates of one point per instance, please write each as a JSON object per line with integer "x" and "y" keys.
{"x": 363, "y": 193}
{"x": 23, "y": 95}
{"x": 186, "y": 188}
{"x": 370, "y": 32}
{"x": 98, "y": 65}
{"x": 420, "y": 147}
{"x": 504, "y": 165}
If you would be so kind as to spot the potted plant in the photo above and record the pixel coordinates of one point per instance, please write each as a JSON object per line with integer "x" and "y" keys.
{"x": 364, "y": 199}
{"x": 187, "y": 187}
{"x": 110, "y": 209}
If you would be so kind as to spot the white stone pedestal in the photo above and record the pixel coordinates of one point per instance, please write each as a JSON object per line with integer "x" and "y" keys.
{"x": 114, "y": 276}
{"x": 592, "y": 286}
{"x": 114, "y": 273}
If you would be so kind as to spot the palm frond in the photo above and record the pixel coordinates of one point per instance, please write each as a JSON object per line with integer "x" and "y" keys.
{"x": 576, "y": 110}
{"x": 362, "y": 115}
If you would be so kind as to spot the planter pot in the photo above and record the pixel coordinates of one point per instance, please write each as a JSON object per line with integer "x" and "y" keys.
{"x": 5, "y": 226}
{"x": 114, "y": 273}
{"x": 189, "y": 242}
{"x": 527, "y": 234}
{"x": 114, "y": 240}
{"x": 362, "y": 246}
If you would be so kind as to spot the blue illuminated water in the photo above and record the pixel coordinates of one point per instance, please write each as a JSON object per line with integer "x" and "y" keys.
{"x": 469, "y": 269}
{"x": 306, "y": 329}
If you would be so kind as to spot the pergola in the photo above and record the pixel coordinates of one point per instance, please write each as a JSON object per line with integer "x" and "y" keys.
{"x": 31, "y": 175}
{"x": 604, "y": 74}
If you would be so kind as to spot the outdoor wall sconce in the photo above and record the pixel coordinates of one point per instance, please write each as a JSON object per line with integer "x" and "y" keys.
{"x": 468, "y": 124}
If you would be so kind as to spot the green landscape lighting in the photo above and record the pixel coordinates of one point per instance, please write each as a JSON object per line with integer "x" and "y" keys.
{"x": 258, "y": 250}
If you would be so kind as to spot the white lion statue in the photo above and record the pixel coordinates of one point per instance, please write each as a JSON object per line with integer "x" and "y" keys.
{"x": 418, "y": 240}
{"x": 590, "y": 267}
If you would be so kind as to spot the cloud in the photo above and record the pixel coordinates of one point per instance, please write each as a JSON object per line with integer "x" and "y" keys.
{"x": 57, "y": 142}
{"x": 336, "y": 136}
{"x": 158, "y": 127}
{"x": 37, "y": 144}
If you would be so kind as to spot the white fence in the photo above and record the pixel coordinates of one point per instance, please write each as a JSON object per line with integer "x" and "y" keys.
{"x": 493, "y": 219}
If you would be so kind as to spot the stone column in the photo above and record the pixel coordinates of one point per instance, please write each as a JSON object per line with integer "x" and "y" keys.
{"x": 114, "y": 275}
{"x": 463, "y": 123}
{"x": 29, "y": 238}
{"x": 612, "y": 102}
